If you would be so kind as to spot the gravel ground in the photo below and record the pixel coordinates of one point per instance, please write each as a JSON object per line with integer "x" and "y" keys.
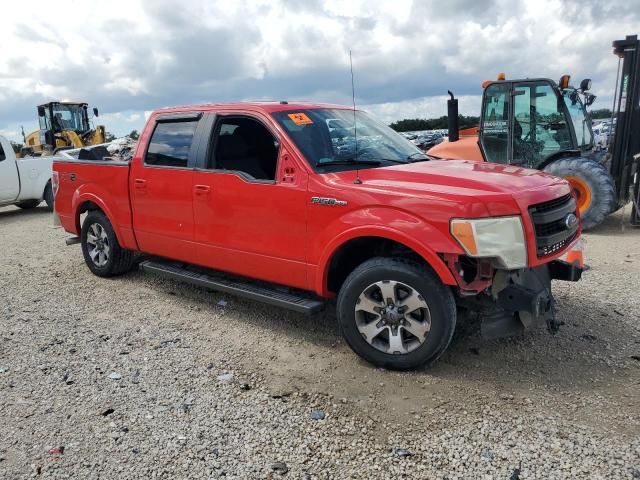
{"x": 141, "y": 377}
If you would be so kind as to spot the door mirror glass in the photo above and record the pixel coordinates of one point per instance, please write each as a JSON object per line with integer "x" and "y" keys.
{"x": 95, "y": 112}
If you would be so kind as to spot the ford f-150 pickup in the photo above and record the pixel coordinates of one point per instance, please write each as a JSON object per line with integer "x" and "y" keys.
{"x": 296, "y": 203}
{"x": 24, "y": 182}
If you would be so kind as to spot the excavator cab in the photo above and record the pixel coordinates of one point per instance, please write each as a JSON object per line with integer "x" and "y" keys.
{"x": 532, "y": 122}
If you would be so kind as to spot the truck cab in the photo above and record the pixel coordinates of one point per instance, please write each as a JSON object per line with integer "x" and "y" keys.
{"x": 24, "y": 182}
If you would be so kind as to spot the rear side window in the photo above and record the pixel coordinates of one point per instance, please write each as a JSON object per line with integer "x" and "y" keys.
{"x": 170, "y": 144}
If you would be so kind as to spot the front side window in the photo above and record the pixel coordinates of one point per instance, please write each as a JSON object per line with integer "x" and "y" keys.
{"x": 333, "y": 140}
{"x": 247, "y": 146}
{"x": 170, "y": 144}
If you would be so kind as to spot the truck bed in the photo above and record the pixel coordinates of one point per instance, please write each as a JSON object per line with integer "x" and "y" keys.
{"x": 104, "y": 183}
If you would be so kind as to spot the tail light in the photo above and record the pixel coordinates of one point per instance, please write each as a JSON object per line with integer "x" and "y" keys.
{"x": 55, "y": 183}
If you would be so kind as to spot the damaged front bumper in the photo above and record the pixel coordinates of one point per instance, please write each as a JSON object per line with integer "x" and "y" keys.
{"x": 522, "y": 299}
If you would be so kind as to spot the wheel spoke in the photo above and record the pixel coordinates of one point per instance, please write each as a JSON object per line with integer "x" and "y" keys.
{"x": 396, "y": 344}
{"x": 93, "y": 253}
{"x": 387, "y": 290}
{"x": 91, "y": 238}
{"x": 102, "y": 259}
{"x": 106, "y": 251}
{"x": 417, "y": 328}
{"x": 368, "y": 304}
{"x": 103, "y": 233}
{"x": 412, "y": 303}
{"x": 94, "y": 230}
{"x": 371, "y": 330}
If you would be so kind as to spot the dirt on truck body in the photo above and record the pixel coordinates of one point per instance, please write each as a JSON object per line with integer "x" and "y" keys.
{"x": 283, "y": 203}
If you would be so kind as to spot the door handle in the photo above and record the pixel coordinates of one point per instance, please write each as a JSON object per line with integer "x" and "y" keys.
{"x": 201, "y": 189}
{"x": 139, "y": 183}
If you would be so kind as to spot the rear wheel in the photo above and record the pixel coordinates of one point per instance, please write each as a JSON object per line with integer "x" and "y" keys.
{"x": 102, "y": 253}
{"x": 396, "y": 313}
{"x": 29, "y": 204}
{"x": 592, "y": 184}
{"x": 48, "y": 196}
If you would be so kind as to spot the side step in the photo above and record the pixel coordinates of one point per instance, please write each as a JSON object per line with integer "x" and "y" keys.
{"x": 222, "y": 282}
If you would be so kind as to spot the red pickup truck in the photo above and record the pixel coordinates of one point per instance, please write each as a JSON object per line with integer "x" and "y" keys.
{"x": 295, "y": 203}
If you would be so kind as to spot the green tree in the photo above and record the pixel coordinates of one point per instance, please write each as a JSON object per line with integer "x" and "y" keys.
{"x": 414, "y": 124}
{"x": 134, "y": 135}
{"x": 109, "y": 137}
{"x": 600, "y": 113}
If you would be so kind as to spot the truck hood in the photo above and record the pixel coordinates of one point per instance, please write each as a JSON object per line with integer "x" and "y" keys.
{"x": 465, "y": 181}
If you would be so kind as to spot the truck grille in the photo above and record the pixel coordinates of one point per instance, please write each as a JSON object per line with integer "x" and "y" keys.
{"x": 553, "y": 232}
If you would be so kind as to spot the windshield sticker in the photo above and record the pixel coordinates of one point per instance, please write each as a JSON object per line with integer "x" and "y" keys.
{"x": 300, "y": 119}
{"x": 495, "y": 126}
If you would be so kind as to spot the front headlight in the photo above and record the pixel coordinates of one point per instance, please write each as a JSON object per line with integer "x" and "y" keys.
{"x": 501, "y": 238}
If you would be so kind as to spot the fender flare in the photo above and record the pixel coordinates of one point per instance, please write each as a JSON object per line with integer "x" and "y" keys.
{"x": 80, "y": 197}
{"x": 427, "y": 254}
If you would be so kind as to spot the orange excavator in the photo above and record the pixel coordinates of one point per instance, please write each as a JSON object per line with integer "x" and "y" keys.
{"x": 538, "y": 123}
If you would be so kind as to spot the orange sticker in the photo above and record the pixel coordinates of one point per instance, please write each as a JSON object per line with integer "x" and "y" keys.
{"x": 300, "y": 119}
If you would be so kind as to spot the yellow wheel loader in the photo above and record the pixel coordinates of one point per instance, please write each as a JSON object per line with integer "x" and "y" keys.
{"x": 63, "y": 125}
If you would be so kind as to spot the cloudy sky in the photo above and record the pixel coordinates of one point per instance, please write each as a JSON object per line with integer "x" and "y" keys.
{"x": 130, "y": 57}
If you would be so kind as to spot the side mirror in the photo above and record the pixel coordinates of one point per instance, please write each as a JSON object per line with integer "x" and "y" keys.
{"x": 95, "y": 112}
{"x": 41, "y": 111}
{"x": 589, "y": 98}
{"x": 585, "y": 84}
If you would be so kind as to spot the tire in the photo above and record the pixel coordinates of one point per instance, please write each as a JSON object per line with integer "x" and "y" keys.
{"x": 594, "y": 181}
{"x": 28, "y": 204}
{"x": 438, "y": 311}
{"x": 102, "y": 253}
{"x": 48, "y": 196}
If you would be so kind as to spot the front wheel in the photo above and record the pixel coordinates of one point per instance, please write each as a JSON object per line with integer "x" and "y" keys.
{"x": 48, "y": 196}
{"x": 102, "y": 253}
{"x": 592, "y": 184}
{"x": 396, "y": 313}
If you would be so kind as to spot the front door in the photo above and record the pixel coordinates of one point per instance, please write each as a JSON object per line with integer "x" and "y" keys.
{"x": 250, "y": 202}
{"x": 9, "y": 180}
{"x": 495, "y": 128}
{"x": 161, "y": 183}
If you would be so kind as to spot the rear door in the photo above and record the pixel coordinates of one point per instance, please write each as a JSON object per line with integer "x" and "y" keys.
{"x": 9, "y": 180}
{"x": 250, "y": 202}
{"x": 161, "y": 182}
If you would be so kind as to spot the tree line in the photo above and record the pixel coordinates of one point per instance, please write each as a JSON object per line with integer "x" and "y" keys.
{"x": 417, "y": 124}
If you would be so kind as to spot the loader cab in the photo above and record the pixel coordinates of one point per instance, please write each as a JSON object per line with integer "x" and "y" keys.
{"x": 57, "y": 117}
{"x": 530, "y": 122}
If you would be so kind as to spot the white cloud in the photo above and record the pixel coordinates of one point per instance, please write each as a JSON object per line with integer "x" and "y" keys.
{"x": 137, "y": 55}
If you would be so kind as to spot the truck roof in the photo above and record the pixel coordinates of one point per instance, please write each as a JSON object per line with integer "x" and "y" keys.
{"x": 269, "y": 106}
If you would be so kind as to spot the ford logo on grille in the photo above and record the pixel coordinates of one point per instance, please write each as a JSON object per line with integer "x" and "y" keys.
{"x": 570, "y": 220}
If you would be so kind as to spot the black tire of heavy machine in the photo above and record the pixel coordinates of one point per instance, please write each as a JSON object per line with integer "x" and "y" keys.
{"x": 48, "y": 196}
{"x": 599, "y": 181}
{"x": 28, "y": 204}
{"x": 120, "y": 260}
{"x": 438, "y": 297}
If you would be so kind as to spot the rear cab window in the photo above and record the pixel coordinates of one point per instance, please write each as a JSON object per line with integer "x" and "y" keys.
{"x": 171, "y": 143}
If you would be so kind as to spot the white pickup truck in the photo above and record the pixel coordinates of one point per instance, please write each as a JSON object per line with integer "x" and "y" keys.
{"x": 24, "y": 182}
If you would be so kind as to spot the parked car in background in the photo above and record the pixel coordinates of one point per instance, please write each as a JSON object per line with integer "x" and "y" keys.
{"x": 24, "y": 182}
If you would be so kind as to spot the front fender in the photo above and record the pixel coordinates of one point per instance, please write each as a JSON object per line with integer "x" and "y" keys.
{"x": 391, "y": 223}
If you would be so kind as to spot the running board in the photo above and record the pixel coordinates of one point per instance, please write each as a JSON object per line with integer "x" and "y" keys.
{"x": 254, "y": 290}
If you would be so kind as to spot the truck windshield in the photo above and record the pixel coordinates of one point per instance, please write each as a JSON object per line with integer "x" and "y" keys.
{"x": 332, "y": 141}
{"x": 584, "y": 136}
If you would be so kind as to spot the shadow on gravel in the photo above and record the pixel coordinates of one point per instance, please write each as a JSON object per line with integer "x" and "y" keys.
{"x": 536, "y": 359}
{"x": 10, "y": 215}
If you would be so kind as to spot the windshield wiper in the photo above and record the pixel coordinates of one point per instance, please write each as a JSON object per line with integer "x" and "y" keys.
{"x": 348, "y": 161}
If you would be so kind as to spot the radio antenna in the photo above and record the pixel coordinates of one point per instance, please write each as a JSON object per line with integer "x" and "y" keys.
{"x": 355, "y": 124}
